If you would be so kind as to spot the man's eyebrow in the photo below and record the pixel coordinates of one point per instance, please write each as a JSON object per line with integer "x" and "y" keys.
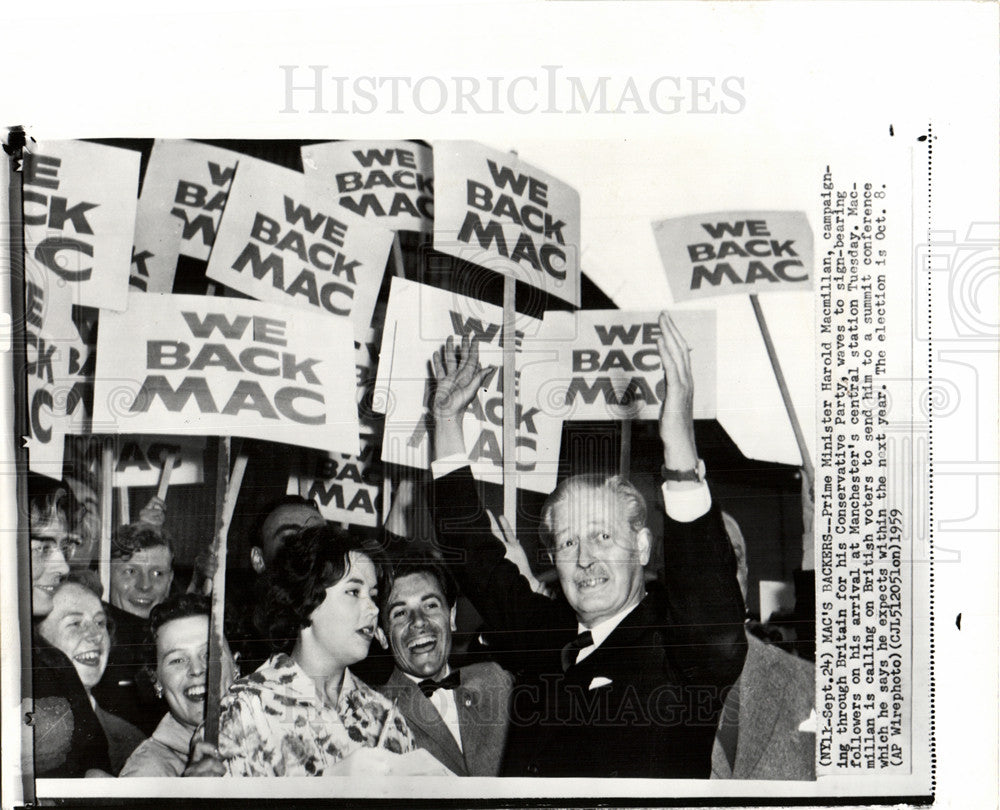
{"x": 284, "y": 527}
{"x": 73, "y": 614}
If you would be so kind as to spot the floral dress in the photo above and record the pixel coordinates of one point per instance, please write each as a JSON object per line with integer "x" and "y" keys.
{"x": 274, "y": 724}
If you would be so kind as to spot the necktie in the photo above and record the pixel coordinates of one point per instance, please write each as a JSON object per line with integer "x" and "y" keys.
{"x": 585, "y": 639}
{"x": 450, "y": 681}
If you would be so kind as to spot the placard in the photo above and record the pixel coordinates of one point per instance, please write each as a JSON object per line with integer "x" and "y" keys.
{"x": 188, "y": 181}
{"x": 346, "y": 488}
{"x": 283, "y": 241}
{"x": 391, "y": 182}
{"x": 736, "y": 252}
{"x": 604, "y": 364}
{"x": 418, "y": 321}
{"x": 495, "y": 210}
{"x": 139, "y": 460}
{"x": 197, "y": 365}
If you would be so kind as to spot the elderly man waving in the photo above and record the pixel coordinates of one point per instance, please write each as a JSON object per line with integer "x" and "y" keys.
{"x": 624, "y": 679}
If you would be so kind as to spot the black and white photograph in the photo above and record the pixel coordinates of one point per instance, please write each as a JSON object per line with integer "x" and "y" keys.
{"x": 503, "y": 427}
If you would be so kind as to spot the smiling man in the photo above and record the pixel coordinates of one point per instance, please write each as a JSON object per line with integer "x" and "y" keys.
{"x": 141, "y": 575}
{"x": 622, "y": 679}
{"x": 459, "y": 716}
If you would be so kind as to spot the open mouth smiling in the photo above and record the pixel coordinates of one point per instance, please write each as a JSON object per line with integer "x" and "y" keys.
{"x": 195, "y": 693}
{"x": 91, "y": 658}
{"x": 586, "y": 583}
{"x": 422, "y": 644}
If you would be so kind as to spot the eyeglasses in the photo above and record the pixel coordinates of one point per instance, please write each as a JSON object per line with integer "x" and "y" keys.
{"x": 68, "y": 544}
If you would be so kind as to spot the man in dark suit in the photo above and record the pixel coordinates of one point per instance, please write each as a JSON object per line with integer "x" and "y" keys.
{"x": 622, "y": 679}
{"x": 459, "y": 716}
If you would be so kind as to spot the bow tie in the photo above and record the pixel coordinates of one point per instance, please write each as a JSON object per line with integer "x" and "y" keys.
{"x": 429, "y": 686}
{"x": 585, "y": 639}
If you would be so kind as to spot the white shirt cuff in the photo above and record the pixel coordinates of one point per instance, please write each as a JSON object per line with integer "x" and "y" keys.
{"x": 687, "y": 502}
{"x": 440, "y": 467}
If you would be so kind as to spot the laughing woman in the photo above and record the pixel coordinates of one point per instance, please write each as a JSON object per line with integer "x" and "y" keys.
{"x": 78, "y": 627}
{"x": 179, "y": 629}
{"x": 303, "y": 713}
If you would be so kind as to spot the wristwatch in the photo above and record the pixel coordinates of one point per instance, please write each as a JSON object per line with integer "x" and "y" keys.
{"x": 697, "y": 474}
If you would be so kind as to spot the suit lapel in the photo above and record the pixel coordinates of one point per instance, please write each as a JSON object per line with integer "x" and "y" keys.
{"x": 760, "y": 707}
{"x": 616, "y": 657}
{"x": 429, "y": 728}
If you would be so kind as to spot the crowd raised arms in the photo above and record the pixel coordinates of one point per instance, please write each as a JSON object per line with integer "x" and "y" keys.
{"x": 120, "y": 683}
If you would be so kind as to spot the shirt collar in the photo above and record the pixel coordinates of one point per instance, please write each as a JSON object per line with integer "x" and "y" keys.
{"x": 173, "y": 734}
{"x": 605, "y": 628}
{"x": 415, "y": 679}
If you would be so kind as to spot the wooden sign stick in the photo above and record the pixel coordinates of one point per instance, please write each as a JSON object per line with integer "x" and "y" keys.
{"x": 227, "y": 491}
{"x": 800, "y": 439}
{"x": 509, "y": 404}
{"x": 625, "y": 454}
{"x": 107, "y": 513}
{"x": 168, "y": 468}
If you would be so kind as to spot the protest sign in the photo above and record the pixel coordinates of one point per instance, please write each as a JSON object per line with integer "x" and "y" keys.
{"x": 60, "y": 368}
{"x": 139, "y": 460}
{"x": 347, "y": 488}
{"x": 601, "y": 365}
{"x": 283, "y": 241}
{"x": 495, "y": 210}
{"x": 736, "y": 252}
{"x": 418, "y": 321}
{"x": 389, "y": 181}
{"x": 195, "y": 365}
{"x": 190, "y": 182}
{"x": 79, "y": 218}
{"x": 155, "y": 248}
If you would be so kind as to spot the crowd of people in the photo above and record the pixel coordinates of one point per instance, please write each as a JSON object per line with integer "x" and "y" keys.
{"x": 604, "y": 673}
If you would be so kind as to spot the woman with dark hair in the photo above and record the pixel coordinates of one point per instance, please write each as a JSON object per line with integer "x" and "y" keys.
{"x": 141, "y": 574}
{"x": 303, "y": 713}
{"x": 179, "y": 630}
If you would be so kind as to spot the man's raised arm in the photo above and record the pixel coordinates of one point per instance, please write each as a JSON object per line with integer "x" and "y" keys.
{"x": 503, "y": 597}
{"x": 705, "y": 602}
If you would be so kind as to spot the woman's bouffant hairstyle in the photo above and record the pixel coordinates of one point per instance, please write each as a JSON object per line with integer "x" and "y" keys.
{"x": 309, "y": 562}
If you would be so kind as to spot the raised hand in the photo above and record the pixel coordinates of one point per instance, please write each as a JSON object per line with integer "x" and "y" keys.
{"x": 677, "y": 413}
{"x": 458, "y": 377}
{"x": 154, "y": 513}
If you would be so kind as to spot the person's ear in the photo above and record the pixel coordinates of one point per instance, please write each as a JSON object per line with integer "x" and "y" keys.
{"x": 380, "y": 637}
{"x": 257, "y": 560}
{"x": 644, "y": 544}
{"x": 451, "y": 617}
{"x": 158, "y": 688}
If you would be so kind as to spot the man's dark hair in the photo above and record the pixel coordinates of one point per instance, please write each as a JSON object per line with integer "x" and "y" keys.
{"x": 133, "y": 537}
{"x": 47, "y": 497}
{"x": 305, "y": 566}
{"x": 417, "y": 563}
{"x": 257, "y": 532}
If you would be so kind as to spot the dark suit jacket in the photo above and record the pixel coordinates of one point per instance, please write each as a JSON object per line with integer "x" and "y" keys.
{"x": 660, "y": 678}
{"x": 774, "y": 696}
{"x": 482, "y": 700}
